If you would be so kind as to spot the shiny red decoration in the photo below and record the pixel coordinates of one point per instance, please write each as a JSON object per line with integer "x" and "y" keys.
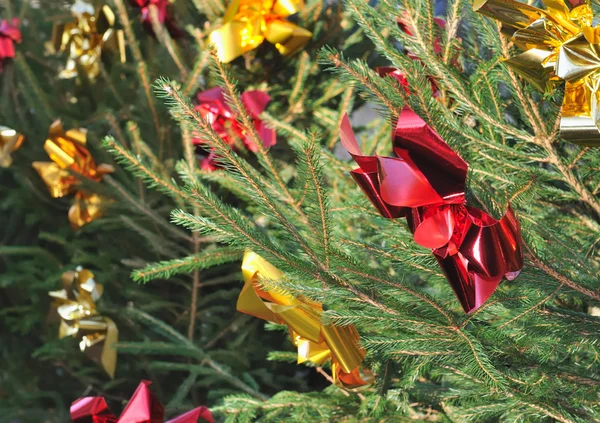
{"x": 213, "y": 107}
{"x": 165, "y": 17}
{"x": 143, "y": 407}
{"x": 425, "y": 182}
{"x": 9, "y": 35}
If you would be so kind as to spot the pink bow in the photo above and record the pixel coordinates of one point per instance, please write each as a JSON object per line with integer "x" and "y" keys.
{"x": 425, "y": 183}
{"x": 143, "y": 407}
{"x": 163, "y": 8}
{"x": 9, "y": 35}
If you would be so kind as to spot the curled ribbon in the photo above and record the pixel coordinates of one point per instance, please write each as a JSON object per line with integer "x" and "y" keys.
{"x": 89, "y": 37}
{"x": 9, "y": 35}
{"x": 560, "y": 44}
{"x": 425, "y": 183}
{"x": 247, "y": 23}
{"x": 143, "y": 407}
{"x": 316, "y": 342}
{"x": 213, "y": 108}
{"x": 10, "y": 140}
{"x": 75, "y": 304}
{"x": 163, "y": 9}
{"x": 69, "y": 155}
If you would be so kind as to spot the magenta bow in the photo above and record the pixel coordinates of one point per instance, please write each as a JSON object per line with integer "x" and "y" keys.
{"x": 143, "y": 407}
{"x": 213, "y": 108}
{"x": 425, "y": 183}
{"x": 163, "y": 8}
{"x": 9, "y": 35}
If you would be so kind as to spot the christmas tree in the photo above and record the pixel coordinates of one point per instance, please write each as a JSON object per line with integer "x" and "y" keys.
{"x": 227, "y": 185}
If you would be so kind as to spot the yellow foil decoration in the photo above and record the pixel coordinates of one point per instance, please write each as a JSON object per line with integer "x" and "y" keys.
{"x": 75, "y": 304}
{"x": 89, "y": 37}
{"x": 560, "y": 44}
{"x": 10, "y": 140}
{"x": 69, "y": 155}
{"x": 247, "y": 23}
{"x": 316, "y": 341}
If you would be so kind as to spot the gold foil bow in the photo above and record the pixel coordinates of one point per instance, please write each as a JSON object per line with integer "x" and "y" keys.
{"x": 75, "y": 304}
{"x": 89, "y": 37}
{"x": 560, "y": 44}
{"x": 69, "y": 155}
{"x": 247, "y": 23}
{"x": 10, "y": 140}
{"x": 316, "y": 342}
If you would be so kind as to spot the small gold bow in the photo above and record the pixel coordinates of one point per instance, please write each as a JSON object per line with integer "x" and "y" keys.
{"x": 247, "y": 23}
{"x": 75, "y": 304}
{"x": 316, "y": 342}
{"x": 69, "y": 155}
{"x": 560, "y": 44}
{"x": 10, "y": 140}
{"x": 87, "y": 38}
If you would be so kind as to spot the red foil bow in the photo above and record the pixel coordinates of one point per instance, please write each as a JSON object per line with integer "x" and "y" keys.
{"x": 9, "y": 35}
{"x": 425, "y": 183}
{"x": 213, "y": 107}
{"x": 143, "y": 407}
{"x": 163, "y": 8}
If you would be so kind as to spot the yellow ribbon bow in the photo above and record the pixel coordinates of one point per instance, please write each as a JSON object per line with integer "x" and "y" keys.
{"x": 75, "y": 304}
{"x": 90, "y": 36}
{"x": 10, "y": 140}
{"x": 69, "y": 155}
{"x": 560, "y": 44}
{"x": 247, "y": 23}
{"x": 316, "y": 341}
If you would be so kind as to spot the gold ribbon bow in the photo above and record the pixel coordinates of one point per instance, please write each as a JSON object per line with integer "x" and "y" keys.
{"x": 10, "y": 140}
{"x": 316, "y": 341}
{"x": 560, "y": 44}
{"x": 247, "y": 23}
{"x": 75, "y": 304}
{"x": 90, "y": 36}
{"x": 69, "y": 155}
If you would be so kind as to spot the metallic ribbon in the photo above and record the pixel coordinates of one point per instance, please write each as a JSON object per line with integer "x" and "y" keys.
{"x": 560, "y": 43}
{"x": 247, "y": 23}
{"x": 213, "y": 108}
{"x": 69, "y": 155}
{"x": 89, "y": 37}
{"x": 75, "y": 304}
{"x": 143, "y": 407}
{"x": 163, "y": 9}
{"x": 10, "y": 140}
{"x": 425, "y": 183}
{"x": 9, "y": 35}
{"x": 316, "y": 342}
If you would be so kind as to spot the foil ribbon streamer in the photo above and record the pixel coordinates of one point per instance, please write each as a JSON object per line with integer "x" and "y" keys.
{"x": 143, "y": 407}
{"x": 10, "y": 140}
{"x": 75, "y": 304}
{"x": 70, "y": 156}
{"x": 248, "y": 23}
{"x": 88, "y": 39}
{"x": 213, "y": 108}
{"x": 9, "y": 35}
{"x": 425, "y": 182}
{"x": 316, "y": 342}
{"x": 561, "y": 44}
{"x": 165, "y": 16}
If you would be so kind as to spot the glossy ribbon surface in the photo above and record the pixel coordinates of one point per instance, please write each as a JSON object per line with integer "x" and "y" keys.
{"x": 425, "y": 182}
{"x": 143, "y": 407}
{"x": 213, "y": 108}
{"x": 9, "y": 35}
{"x": 316, "y": 341}
{"x": 561, "y": 44}
{"x": 247, "y": 23}
{"x": 69, "y": 155}
{"x": 90, "y": 36}
{"x": 75, "y": 304}
{"x": 165, "y": 17}
{"x": 10, "y": 140}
